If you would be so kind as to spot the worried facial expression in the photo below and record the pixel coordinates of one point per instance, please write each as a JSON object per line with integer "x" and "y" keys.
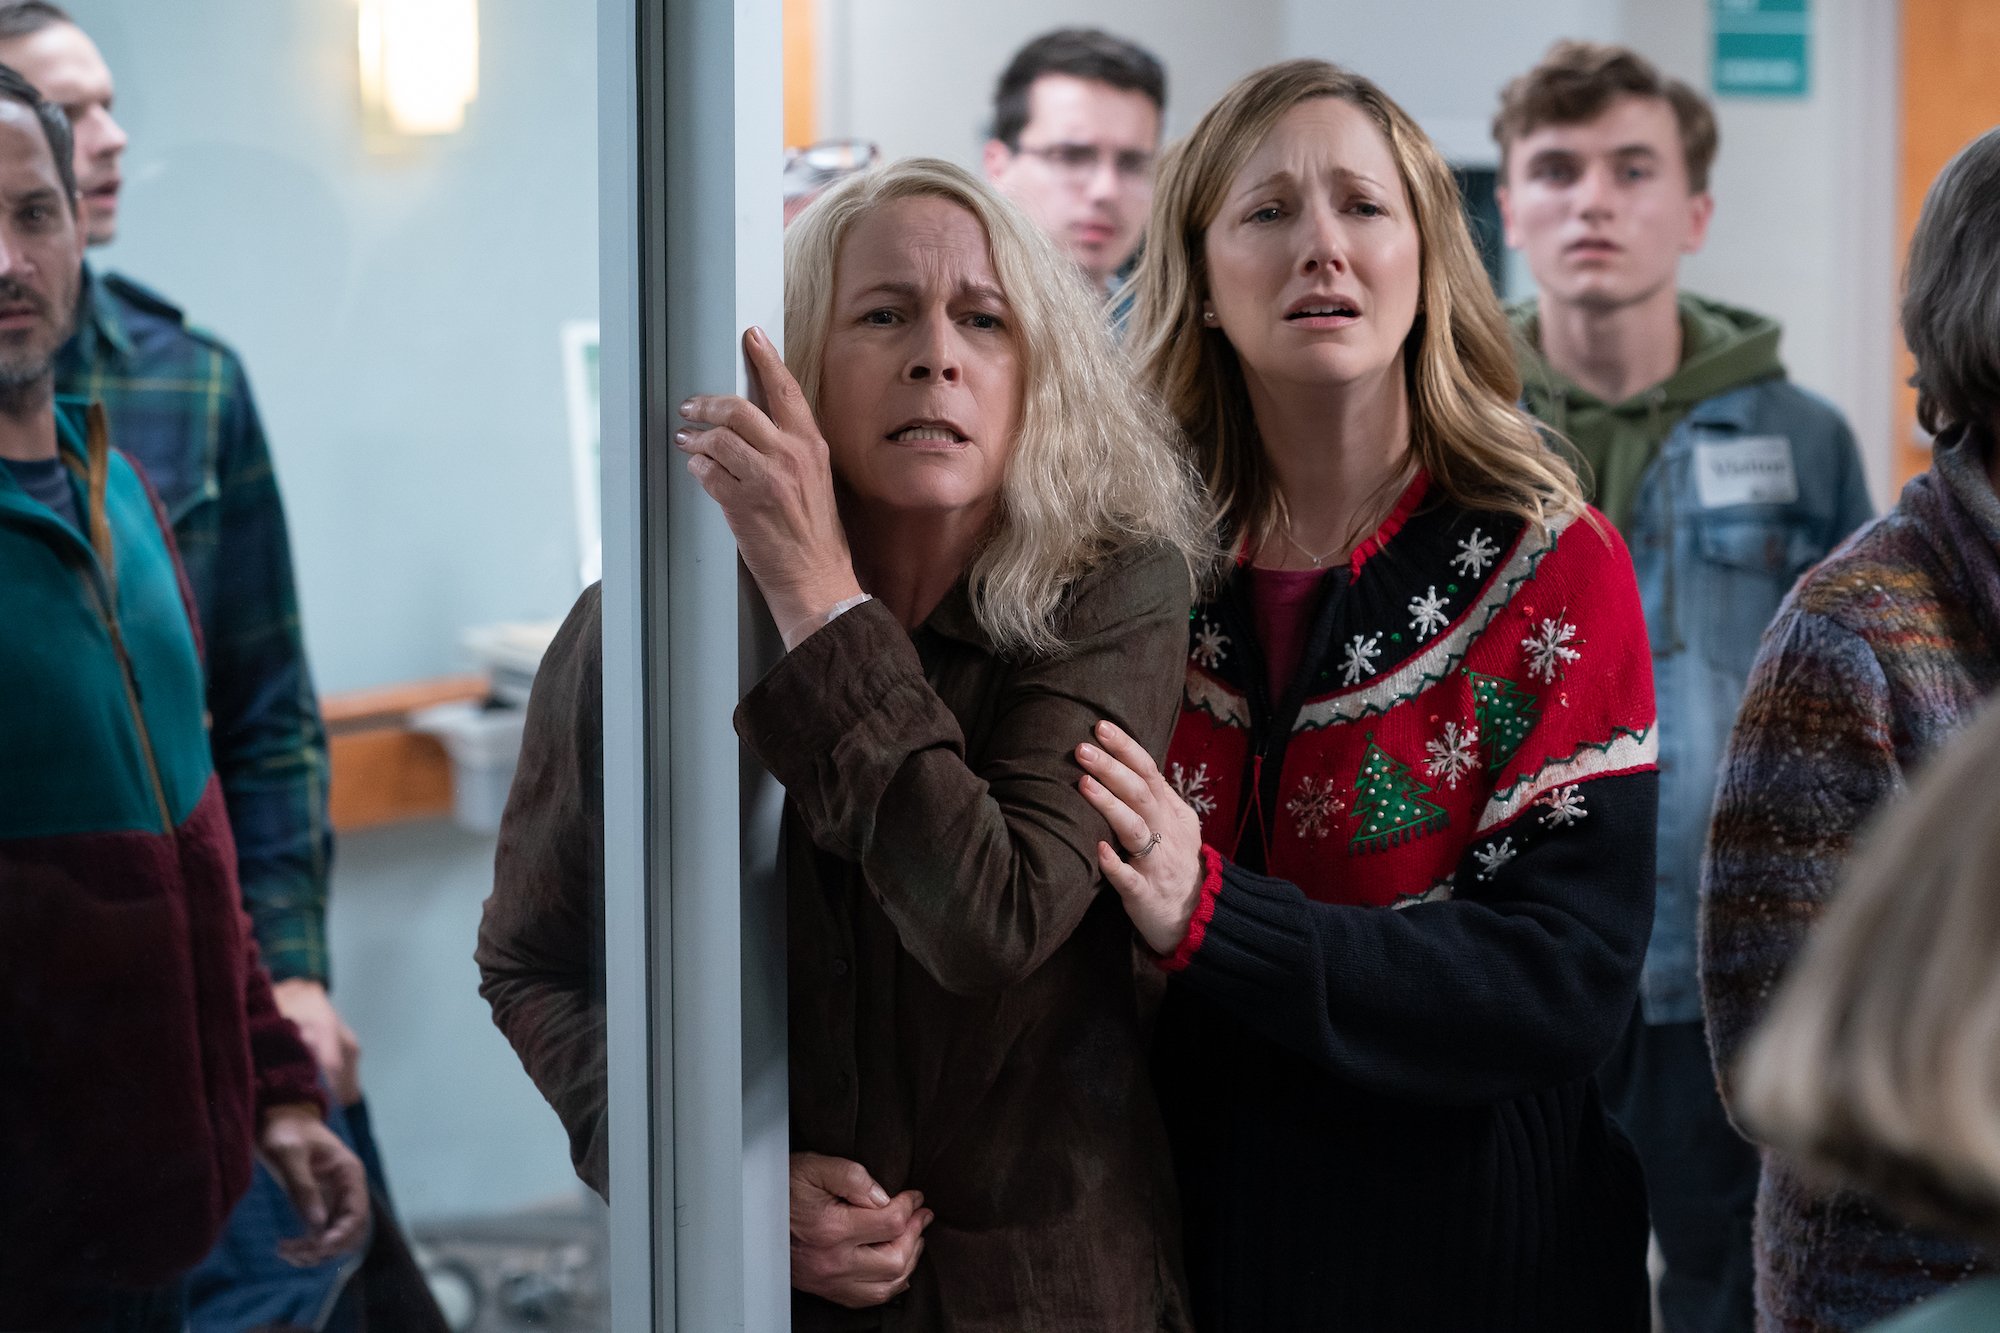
{"x": 1083, "y": 169}
{"x": 1315, "y": 261}
{"x": 41, "y": 251}
{"x": 920, "y": 380}
{"x": 65, "y": 66}
{"x": 1602, "y": 209}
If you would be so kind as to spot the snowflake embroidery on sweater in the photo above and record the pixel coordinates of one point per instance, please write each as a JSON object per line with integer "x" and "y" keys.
{"x": 1427, "y": 615}
{"x": 1565, "y": 806}
{"x": 1548, "y": 651}
{"x": 1193, "y": 788}
{"x": 1453, "y": 755}
{"x": 1360, "y": 659}
{"x": 1211, "y": 645}
{"x": 1314, "y": 806}
{"x": 1475, "y": 553}
{"x": 1492, "y": 857}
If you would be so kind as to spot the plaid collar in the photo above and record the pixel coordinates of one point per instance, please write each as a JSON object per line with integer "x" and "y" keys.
{"x": 100, "y": 327}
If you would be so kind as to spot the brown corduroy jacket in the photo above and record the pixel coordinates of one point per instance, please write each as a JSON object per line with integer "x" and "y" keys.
{"x": 962, "y": 1010}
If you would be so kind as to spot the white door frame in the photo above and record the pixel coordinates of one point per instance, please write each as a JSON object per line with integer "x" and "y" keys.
{"x": 690, "y": 136}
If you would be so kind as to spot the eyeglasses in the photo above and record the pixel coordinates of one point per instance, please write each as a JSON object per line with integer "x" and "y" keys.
{"x": 812, "y": 168}
{"x": 1078, "y": 162}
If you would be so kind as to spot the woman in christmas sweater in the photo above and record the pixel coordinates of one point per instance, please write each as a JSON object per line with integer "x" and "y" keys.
{"x": 1399, "y": 867}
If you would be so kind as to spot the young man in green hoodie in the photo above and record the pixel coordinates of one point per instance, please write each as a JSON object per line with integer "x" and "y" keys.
{"x": 1727, "y": 482}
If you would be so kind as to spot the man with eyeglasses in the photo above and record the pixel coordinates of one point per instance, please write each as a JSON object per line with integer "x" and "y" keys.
{"x": 1076, "y": 128}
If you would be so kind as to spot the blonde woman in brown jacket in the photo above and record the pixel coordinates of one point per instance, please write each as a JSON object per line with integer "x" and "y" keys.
{"x": 976, "y": 538}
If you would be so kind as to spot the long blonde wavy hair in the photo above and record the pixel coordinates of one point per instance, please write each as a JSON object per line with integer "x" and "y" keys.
{"x": 1466, "y": 429}
{"x": 1096, "y": 465}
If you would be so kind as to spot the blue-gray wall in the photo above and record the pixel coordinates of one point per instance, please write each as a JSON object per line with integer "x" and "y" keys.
{"x": 399, "y": 311}
{"x": 399, "y": 314}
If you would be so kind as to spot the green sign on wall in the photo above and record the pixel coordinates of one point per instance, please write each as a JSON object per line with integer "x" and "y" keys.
{"x": 1763, "y": 48}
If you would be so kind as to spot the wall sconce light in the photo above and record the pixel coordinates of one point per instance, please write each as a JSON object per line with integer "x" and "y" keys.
{"x": 419, "y": 63}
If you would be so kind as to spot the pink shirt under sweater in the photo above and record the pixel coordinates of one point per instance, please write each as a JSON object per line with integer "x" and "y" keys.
{"x": 1282, "y": 600}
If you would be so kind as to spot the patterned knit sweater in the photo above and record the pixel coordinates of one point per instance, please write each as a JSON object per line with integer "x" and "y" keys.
{"x": 1878, "y": 657}
{"x": 1383, "y": 1117}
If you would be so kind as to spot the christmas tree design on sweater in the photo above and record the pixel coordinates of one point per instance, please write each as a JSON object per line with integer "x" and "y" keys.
{"x": 1466, "y": 738}
{"x": 1506, "y": 715}
{"x": 1389, "y": 804}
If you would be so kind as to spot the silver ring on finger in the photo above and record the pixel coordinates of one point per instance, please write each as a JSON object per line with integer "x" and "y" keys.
{"x": 1151, "y": 843}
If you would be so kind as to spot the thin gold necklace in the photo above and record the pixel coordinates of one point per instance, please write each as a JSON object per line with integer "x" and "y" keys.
{"x": 1297, "y": 545}
{"x": 1393, "y": 491}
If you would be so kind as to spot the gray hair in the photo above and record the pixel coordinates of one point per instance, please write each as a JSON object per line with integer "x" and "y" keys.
{"x": 1878, "y": 1065}
{"x": 25, "y": 18}
{"x": 1097, "y": 464}
{"x": 1951, "y": 297}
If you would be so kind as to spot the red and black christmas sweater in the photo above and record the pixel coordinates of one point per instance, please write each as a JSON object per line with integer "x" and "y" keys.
{"x": 1427, "y": 899}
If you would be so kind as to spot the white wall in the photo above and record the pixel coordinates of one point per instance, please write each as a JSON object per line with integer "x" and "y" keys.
{"x": 1443, "y": 60}
{"x": 1806, "y": 196}
{"x": 917, "y": 76}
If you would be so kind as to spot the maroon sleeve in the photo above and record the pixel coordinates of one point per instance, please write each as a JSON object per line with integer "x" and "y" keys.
{"x": 283, "y": 1071}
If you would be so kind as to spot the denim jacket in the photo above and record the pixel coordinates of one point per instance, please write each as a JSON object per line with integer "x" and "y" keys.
{"x": 1717, "y": 543}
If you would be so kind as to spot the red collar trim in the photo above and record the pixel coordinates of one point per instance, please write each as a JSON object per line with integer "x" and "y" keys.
{"x": 1413, "y": 496}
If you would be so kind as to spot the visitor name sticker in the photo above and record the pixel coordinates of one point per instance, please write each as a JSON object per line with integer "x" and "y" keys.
{"x": 1755, "y": 470}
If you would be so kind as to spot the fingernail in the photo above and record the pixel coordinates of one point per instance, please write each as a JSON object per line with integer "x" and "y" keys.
{"x": 1086, "y": 752}
{"x": 1105, "y": 728}
{"x": 687, "y": 408}
{"x": 877, "y": 1197}
{"x": 682, "y": 437}
{"x": 757, "y": 336}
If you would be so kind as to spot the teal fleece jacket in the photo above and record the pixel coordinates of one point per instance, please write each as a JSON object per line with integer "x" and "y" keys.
{"x": 139, "y": 1043}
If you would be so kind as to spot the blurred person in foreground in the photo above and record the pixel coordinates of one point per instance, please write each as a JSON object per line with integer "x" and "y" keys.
{"x": 1076, "y": 129}
{"x": 975, "y": 536}
{"x": 142, "y": 1057}
{"x": 1399, "y": 864}
{"x": 1727, "y": 481}
{"x": 1877, "y": 1070}
{"x": 1878, "y": 657}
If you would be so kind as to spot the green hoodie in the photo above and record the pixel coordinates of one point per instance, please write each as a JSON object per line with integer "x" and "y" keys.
{"x": 1722, "y": 348}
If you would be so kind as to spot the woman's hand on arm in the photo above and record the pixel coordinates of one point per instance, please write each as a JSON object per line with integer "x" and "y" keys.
{"x": 770, "y": 473}
{"x": 1160, "y": 883}
{"x": 851, "y": 1243}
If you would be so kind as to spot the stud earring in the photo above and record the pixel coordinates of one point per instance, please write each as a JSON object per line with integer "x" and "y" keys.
{"x": 1208, "y": 316}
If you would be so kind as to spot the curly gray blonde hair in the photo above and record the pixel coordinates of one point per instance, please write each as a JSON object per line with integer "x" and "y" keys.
{"x": 1096, "y": 465}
